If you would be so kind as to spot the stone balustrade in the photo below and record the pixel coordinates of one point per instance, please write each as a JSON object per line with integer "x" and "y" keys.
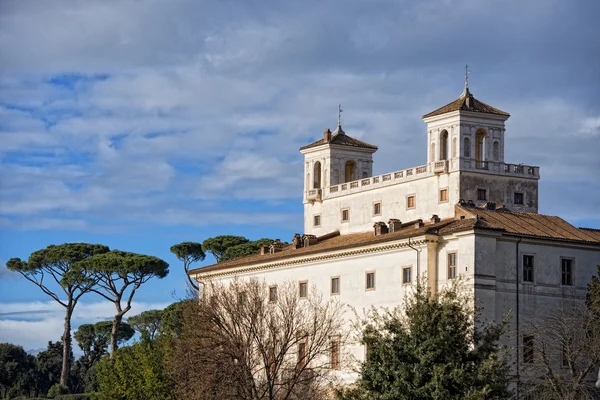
{"x": 420, "y": 172}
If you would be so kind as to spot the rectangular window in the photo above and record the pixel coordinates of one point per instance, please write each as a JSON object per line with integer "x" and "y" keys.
{"x": 317, "y": 220}
{"x": 377, "y": 209}
{"x": 370, "y": 280}
{"x": 518, "y": 198}
{"x": 410, "y": 202}
{"x": 528, "y": 349}
{"x": 481, "y": 194}
{"x": 303, "y": 289}
{"x": 443, "y": 195}
{"x": 567, "y": 271}
{"x": 335, "y": 285}
{"x": 345, "y": 215}
{"x": 302, "y": 354}
{"x": 451, "y": 265}
{"x": 406, "y": 274}
{"x": 527, "y": 268}
{"x": 335, "y": 354}
{"x": 273, "y": 293}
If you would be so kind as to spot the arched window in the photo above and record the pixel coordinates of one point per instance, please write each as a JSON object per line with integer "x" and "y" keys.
{"x": 350, "y": 172}
{"x": 480, "y": 145}
{"x": 317, "y": 175}
{"x": 432, "y": 155}
{"x": 453, "y": 147}
{"x": 467, "y": 146}
{"x": 444, "y": 145}
{"x": 496, "y": 151}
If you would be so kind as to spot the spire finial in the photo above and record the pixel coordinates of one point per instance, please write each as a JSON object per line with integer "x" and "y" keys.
{"x": 466, "y": 89}
{"x": 340, "y": 111}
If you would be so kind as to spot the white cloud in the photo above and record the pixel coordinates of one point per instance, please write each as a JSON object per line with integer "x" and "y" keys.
{"x": 32, "y": 324}
{"x": 211, "y": 100}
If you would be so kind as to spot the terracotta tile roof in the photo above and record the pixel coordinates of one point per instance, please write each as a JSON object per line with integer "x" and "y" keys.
{"x": 526, "y": 224}
{"x": 531, "y": 224}
{"x": 335, "y": 242}
{"x": 595, "y": 233}
{"x": 341, "y": 139}
{"x": 461, "y": 104}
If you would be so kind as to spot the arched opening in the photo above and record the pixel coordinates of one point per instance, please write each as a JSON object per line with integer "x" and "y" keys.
{"x": 317, "y": 175}
{"x": 453, "y": 147}
{"x": 432, "y": 154}
{"x": 467, "y": 146}
{"x": 350, "y": 172}
{"x": 444, "y": 145}
{"x": 480, "y": 145}
{"x": 496, "y": 151}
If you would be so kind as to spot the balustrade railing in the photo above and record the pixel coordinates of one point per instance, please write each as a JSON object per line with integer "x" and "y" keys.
{"x": 433, "y": 168}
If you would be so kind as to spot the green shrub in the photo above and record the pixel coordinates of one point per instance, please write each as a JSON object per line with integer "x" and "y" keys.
{"x": 56, "y": 390}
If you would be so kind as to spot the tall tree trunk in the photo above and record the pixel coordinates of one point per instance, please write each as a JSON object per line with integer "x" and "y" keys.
{"x": 66, "y": 360}
{"x": 113, "y": 334}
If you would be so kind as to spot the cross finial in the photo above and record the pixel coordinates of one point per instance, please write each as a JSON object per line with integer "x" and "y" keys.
{"x": 467, "y": 72}
{"x": 340, "y": 111}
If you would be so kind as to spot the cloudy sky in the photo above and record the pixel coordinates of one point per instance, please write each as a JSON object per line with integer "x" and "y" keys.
{"x": 141, "y": 124}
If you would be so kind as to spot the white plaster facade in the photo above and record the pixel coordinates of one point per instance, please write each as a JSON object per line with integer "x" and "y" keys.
{"x": 491, "y": 260}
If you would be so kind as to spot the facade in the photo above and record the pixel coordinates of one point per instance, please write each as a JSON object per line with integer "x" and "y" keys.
{"x": 466, "y": 212}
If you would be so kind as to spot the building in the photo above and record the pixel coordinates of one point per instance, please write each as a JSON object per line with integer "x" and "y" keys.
{"x": 466, "y": 212}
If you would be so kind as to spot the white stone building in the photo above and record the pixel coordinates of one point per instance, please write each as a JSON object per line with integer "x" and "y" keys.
{"x": 464, "y": 212}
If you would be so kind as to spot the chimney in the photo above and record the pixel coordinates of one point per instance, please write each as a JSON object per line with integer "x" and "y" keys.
{"x": 380, "y": 228}
{"x": 327, "y": 135}
{"x": 297, "y": 241}
{"x": 309, "y": 240}
{"x": 394, "y": 225}
{"x": 276, "y": 246}
{"x": 470, "y": 100}
{"x": 419, "y": 224}
{"x": 264, "y": 250}
{"x": 435, "y": 219}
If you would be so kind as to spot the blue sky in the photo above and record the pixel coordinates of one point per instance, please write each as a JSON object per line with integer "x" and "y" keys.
{"x": 141, "y": 124}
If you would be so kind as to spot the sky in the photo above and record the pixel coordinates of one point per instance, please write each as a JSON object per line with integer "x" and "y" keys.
{"x": 140, "y": 124}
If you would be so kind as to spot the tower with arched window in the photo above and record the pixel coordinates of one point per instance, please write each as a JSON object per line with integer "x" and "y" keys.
{"x": 337, "y": 158}
{"x": 467, "y": 132}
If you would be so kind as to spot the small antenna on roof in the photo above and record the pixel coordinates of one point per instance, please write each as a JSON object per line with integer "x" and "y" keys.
{"x": 340, "y": 111}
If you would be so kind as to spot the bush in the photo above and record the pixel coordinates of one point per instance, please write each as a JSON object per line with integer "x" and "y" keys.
{"x": 56, "y": 390}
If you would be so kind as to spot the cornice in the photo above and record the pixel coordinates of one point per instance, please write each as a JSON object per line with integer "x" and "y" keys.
{"x": 297, "y": 261}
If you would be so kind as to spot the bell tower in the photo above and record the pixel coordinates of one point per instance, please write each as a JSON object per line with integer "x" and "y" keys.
{"x": 467, "y": 137}
{"x": 335, "y": 159}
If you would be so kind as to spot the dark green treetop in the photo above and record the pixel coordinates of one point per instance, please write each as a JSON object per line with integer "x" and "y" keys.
{"x": 119, "y": 275}
{"x": 432, "y": 350}
{"x": 147, "y": 323}
{"x": 245, "y": 249}
{"x": 189, "y": 253}
{"x": 219, "y": 244}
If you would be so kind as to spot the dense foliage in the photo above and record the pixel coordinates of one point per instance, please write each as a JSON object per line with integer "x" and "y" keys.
{"x": 219, "y": 244}
{"x": 136, "y": 373}
{"x": 433, "y": 349}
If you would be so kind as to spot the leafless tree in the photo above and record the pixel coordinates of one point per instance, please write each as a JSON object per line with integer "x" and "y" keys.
{"x": 245, "y": 341}
{"x": 561, "y": 353}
